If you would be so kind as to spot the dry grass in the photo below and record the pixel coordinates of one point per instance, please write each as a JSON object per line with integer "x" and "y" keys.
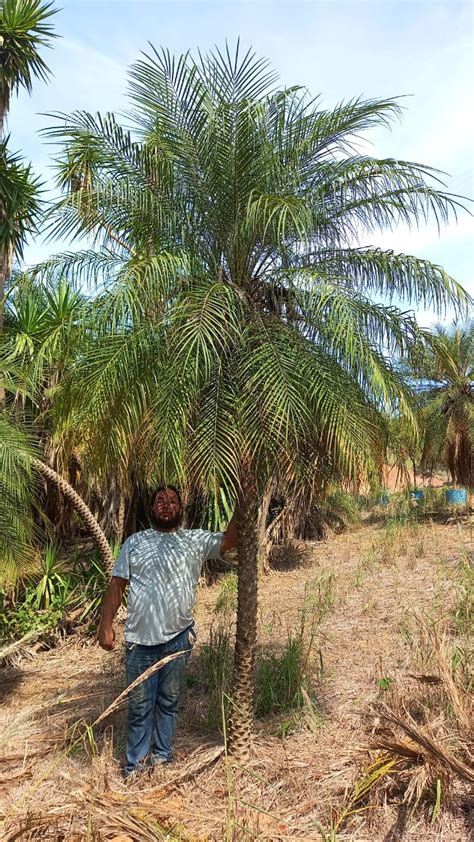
{"x": 404, "y": 773}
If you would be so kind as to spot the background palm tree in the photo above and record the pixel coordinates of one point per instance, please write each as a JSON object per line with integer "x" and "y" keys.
{"x": 235, "y": 338}
{"x": 405, "y": 443}
{"x": 24, "y": 30}
{"x": 446, "y": 379}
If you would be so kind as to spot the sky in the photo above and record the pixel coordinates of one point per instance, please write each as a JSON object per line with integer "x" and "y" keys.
{"x": 422, "y": 51}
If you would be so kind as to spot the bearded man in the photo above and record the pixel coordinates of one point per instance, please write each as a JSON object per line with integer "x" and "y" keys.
{"x": 162, "y": 565}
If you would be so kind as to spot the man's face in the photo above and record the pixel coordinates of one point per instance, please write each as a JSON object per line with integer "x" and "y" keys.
{"x": 166, "y": 513}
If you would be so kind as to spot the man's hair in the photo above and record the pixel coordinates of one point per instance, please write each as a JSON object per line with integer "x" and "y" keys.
{"x": 167, "y": 488}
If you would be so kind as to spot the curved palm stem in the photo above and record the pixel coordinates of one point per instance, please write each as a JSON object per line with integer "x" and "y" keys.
{"x": 81, "y": 508}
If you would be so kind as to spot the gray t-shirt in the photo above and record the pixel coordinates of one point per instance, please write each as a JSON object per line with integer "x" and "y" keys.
{"x": 163, "y": 569}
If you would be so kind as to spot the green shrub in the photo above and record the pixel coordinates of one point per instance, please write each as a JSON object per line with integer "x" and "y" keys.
{"x": 40, "y": 604}
{"x": 90, "y": 582}
{"x": 281, "y": 679}
{"x": 343, "y": 509}
{"x": 18, "y": 619}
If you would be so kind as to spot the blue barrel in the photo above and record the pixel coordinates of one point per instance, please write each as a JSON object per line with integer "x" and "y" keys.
{"x": 417, "y": 494}
{"x": 456, "y": 496}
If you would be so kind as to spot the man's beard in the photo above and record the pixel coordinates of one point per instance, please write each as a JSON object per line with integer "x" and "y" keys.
{"x": 165, "y": 524}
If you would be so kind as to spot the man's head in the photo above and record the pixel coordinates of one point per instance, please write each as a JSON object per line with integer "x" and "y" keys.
{"x": 166, "y": 508}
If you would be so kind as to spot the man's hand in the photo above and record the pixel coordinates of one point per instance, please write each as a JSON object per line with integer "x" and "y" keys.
{"x": 106, "y": 638}
{"x": 230, "y": 538}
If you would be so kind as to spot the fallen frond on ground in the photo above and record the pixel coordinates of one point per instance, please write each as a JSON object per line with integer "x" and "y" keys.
{"x": 419, "y": 746}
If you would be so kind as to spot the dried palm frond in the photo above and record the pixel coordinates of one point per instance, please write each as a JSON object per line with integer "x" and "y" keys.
{"x": 419, "y": 747}
{"x": 458, "y": 697}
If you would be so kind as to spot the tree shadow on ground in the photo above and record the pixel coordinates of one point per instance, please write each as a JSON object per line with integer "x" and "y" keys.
{"x": 292, "y": 555}
{"x": 396, "y": 832}
{"x": 215, "y": 569}
{"x": 10, "y": 679}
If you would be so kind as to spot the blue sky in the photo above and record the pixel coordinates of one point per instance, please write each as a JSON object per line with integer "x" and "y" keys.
{"x": 422, "y": 50}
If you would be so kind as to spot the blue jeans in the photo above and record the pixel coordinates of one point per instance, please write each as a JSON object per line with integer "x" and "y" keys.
{"x": 153, "y": 704}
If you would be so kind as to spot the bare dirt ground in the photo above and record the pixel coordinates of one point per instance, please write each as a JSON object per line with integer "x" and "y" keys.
{"x": 58, "y": 782}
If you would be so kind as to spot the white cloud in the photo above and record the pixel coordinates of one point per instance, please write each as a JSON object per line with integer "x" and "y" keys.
{"x": 416, "y": 241}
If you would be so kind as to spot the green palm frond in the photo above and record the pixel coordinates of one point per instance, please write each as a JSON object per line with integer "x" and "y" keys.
{"x": 443, "y": 376}
{"x": 215, "y": 440}
{"x": 20, "y": 202}
{"x": 17, "y": 488}
{"x": 385, "y": 273}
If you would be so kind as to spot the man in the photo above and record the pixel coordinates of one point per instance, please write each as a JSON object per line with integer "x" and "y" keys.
{"x": 162, "y": 566}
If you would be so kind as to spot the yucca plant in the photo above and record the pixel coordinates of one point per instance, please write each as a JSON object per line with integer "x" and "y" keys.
{"x": 54, "y": 583}
{"x": 236, "y": 335}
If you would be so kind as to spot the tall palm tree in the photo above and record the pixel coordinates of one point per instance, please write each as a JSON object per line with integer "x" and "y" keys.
{"x": 446, "y": 379}
{"x": 235, "y": 337}
{"x": 24, "y": 30}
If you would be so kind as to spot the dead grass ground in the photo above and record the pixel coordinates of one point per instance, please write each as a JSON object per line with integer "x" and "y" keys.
{"x": 294, "y": 785}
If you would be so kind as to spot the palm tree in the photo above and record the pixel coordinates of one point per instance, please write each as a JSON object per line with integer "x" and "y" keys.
{"x": 446, "y": 378}
{"x": 235, "y": 338}
{"x": 24, "y": 30}
{"x": 404, "y": 444}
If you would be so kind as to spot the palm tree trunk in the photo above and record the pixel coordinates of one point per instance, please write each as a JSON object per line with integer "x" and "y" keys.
{"x": 120, "y": 519}
{"x": 4, "y": 97}
{"x": 5, "y": 253}
{"x": 241, "y": 713}
{"x": 263, "y": 544}
{"x": 81, "y": 508}
{"x": 6, "y": 257}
